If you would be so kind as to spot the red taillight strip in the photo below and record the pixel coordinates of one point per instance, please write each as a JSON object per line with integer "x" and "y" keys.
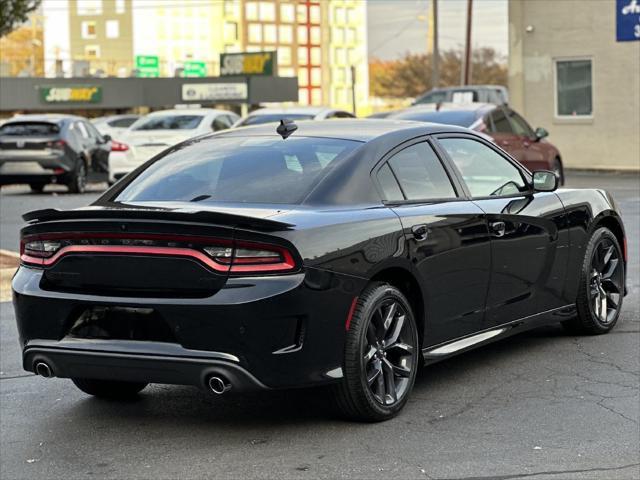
{"x": 117, "y": 249}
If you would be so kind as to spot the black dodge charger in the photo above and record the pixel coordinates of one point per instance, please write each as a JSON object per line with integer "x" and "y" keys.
{"x": 338, "y": 253}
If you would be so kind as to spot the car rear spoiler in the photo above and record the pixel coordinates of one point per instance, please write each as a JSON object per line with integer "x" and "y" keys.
{"x": 196, "y": 216}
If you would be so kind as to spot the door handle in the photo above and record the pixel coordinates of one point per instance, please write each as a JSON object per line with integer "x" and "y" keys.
{"x": 498, "y": 229}
{"x": 420, "y": 232}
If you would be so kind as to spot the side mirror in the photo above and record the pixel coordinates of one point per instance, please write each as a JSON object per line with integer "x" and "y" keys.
{"x": 541, "y": 133}
{"x": 106, "y": 138}
{"x": 545, "y": 181}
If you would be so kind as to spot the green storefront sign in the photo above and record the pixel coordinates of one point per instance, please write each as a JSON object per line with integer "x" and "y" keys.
{"x": 70, "y": 93}
{"x": 148, "y": 66}
{"x": 254, "y": 63}
{"x": 194, "y": 68}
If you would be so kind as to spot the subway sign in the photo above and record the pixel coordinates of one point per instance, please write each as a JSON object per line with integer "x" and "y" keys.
{"x": 70, "y": 94}
{"x": 248, "y": 63}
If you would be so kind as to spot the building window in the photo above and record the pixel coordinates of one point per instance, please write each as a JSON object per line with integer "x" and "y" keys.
{"x": 303, "y": 36}
{"x": 120, "y": 6}
{"x": 267, "y": 12}
{"x": 231, "y": 8}
{"x": 315, "y": 35}
{"x": 89, "y": 7}
{"x": 92, "y": 51}
{"x": 314, "y": 14}
{"x": 270, "y": 33}
{"x": 286, "y": 34}
{"x": 230, "y": 32}
{"x": 316, "y": 96}
{"x": 574, "y": 88}
{"x": 255, "y": 32}
{"x": 286, "y": 72}
{"x": 302, "y": 13}
{"x": 316, "y": 77}
{"x": 303, "y": 56}
{"x": 339, "y": 15}
{"x": 338, "y": 35}
{"x": 251, "y": 11}
{"x": 303, "y": 77}
{"x": 88, "y": 29}
{"x": 112, "y": 28}
{"x": 351, "y": 35}
{"x": 287, "y": 13}
{"x": 316, "y": 56}
{"x": 284, "y": 56}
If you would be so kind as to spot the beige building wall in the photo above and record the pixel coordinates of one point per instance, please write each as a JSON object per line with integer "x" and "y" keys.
{"x": 101, "y": 32}
{"x": 542, "y": 32}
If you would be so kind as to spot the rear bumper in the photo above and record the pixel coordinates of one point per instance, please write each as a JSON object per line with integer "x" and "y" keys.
{"x": 45, "y": 168}
{"x": 90, "y": 361}
{"x": 264, "y": 332}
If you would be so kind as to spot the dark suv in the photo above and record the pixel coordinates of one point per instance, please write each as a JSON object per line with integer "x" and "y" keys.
{"x": 43, "y": 149}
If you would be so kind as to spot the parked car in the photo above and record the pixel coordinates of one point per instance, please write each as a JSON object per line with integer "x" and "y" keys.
{"x": 114, "y": 125}
{"x": 330, "y": 253}
{"x": 496, "y": 94}
{"x": 271, "y": 115}
{"x": 160, "y": 130}
{"x": 43, "y": 149}
{"x": 508, "y": 129}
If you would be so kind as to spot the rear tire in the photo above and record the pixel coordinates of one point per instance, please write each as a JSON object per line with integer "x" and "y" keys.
{"x": 113, "y": 389}
{"x": 601, "y": 290}
{"x": 78, "y": 181}
{"x": 381, "y": 356}
{"x": 37, "y": 187}
{"x": 558, "y": 170}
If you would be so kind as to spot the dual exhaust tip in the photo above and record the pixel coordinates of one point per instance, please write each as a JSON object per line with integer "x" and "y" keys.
{"x": 217, "y": 385}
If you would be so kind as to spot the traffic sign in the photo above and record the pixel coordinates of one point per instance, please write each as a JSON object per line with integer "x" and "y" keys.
{"x": 147, "y": 66}
{"x": 194, "y": 68}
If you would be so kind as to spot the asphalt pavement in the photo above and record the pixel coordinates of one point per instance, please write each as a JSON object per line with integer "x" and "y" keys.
{"x": 541, "y": 405}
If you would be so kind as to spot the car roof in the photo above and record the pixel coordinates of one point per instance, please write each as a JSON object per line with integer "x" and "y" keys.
{"x": 469, "y": 87}
{"x": 445, "y": 107}
{"x": 293, "y": 110}
{"x": 190, "y": 111}
{"x": 362, "y": 130}
{"x": 43, "y": 117}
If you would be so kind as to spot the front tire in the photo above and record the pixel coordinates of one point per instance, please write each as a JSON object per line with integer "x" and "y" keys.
{"x": 558, "y": 170}
{"x": 601, "y": 289}
{"x": 112, "y": 389}
{"x": 381, "y": 356}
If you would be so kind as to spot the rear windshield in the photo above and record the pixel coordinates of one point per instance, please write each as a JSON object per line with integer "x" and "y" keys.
{"x": 274, "y": 117}
{"x": 29, "y": 128}
{"x": 463, "y": 118}
{"x": 122, "y": 122}
{"x": 239, "y": 170}
{"x": 168, "y": 122}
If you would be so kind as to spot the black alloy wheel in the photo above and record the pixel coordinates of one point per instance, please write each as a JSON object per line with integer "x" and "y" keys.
{"x": 602, "y": 285}
{"x": 381, "y": 356}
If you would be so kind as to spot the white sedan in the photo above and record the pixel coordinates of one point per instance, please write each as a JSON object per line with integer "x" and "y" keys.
{"x": 270, "y": 115}
{"x": 160, "y": 130}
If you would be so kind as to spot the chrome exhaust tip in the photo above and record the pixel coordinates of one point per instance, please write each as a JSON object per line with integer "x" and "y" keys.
{"x": 43, "y": 370}
{"x": 218, "y": 385}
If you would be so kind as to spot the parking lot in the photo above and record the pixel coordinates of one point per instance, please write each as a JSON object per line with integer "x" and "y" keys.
{"x": 542, "y": 405}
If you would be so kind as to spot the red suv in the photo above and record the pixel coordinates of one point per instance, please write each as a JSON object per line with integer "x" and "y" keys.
{"x": 507, "y": 128}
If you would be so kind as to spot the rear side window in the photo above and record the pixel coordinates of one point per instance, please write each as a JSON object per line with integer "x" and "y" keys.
{"x": 389, "y": 185}
{"x": 420, "y": 173}
{"x": 239, "y": 170}
{"x": 29, "y": 129}
{"x": 169, "y": 122}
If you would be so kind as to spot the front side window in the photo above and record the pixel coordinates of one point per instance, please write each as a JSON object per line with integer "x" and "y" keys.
{"x": 168, "y": 122}
{"x": 239, "y": 170}
{"x": 420, "y": 174}
{"x": 574, "y": 88}
{"x": 520, "y": 125}
{"x": 485, "y": 172}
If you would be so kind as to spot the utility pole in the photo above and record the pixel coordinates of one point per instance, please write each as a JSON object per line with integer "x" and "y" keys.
{"x": 353, "y": 88}
{"x": 435, "y": 52}
{"x": 467, "y": 49}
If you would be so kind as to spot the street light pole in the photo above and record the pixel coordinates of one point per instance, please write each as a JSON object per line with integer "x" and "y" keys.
{"x": 467, "y": 49}
{"x": 353, "y": 88}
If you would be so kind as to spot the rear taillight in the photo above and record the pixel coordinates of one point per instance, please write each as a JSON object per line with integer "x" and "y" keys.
{"x": 119, "y": 146}
{"x": 57, "y": 145}
{"x": 220, "y": 255}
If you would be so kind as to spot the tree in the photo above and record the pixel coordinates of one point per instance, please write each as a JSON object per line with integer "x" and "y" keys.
{"x": 411, "y": 75}
{"x": 15, "y": 12}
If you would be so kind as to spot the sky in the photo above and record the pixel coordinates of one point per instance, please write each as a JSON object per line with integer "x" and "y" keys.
{"x": 400, "y": 26}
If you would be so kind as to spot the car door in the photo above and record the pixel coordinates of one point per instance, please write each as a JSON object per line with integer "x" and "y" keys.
{"x": 100, "y": 150}
{"x": 535, "y": 153}
{"x": 446, "y": 239}
{"x": 529, "y": 237}
{"x": 502, "y": 132}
